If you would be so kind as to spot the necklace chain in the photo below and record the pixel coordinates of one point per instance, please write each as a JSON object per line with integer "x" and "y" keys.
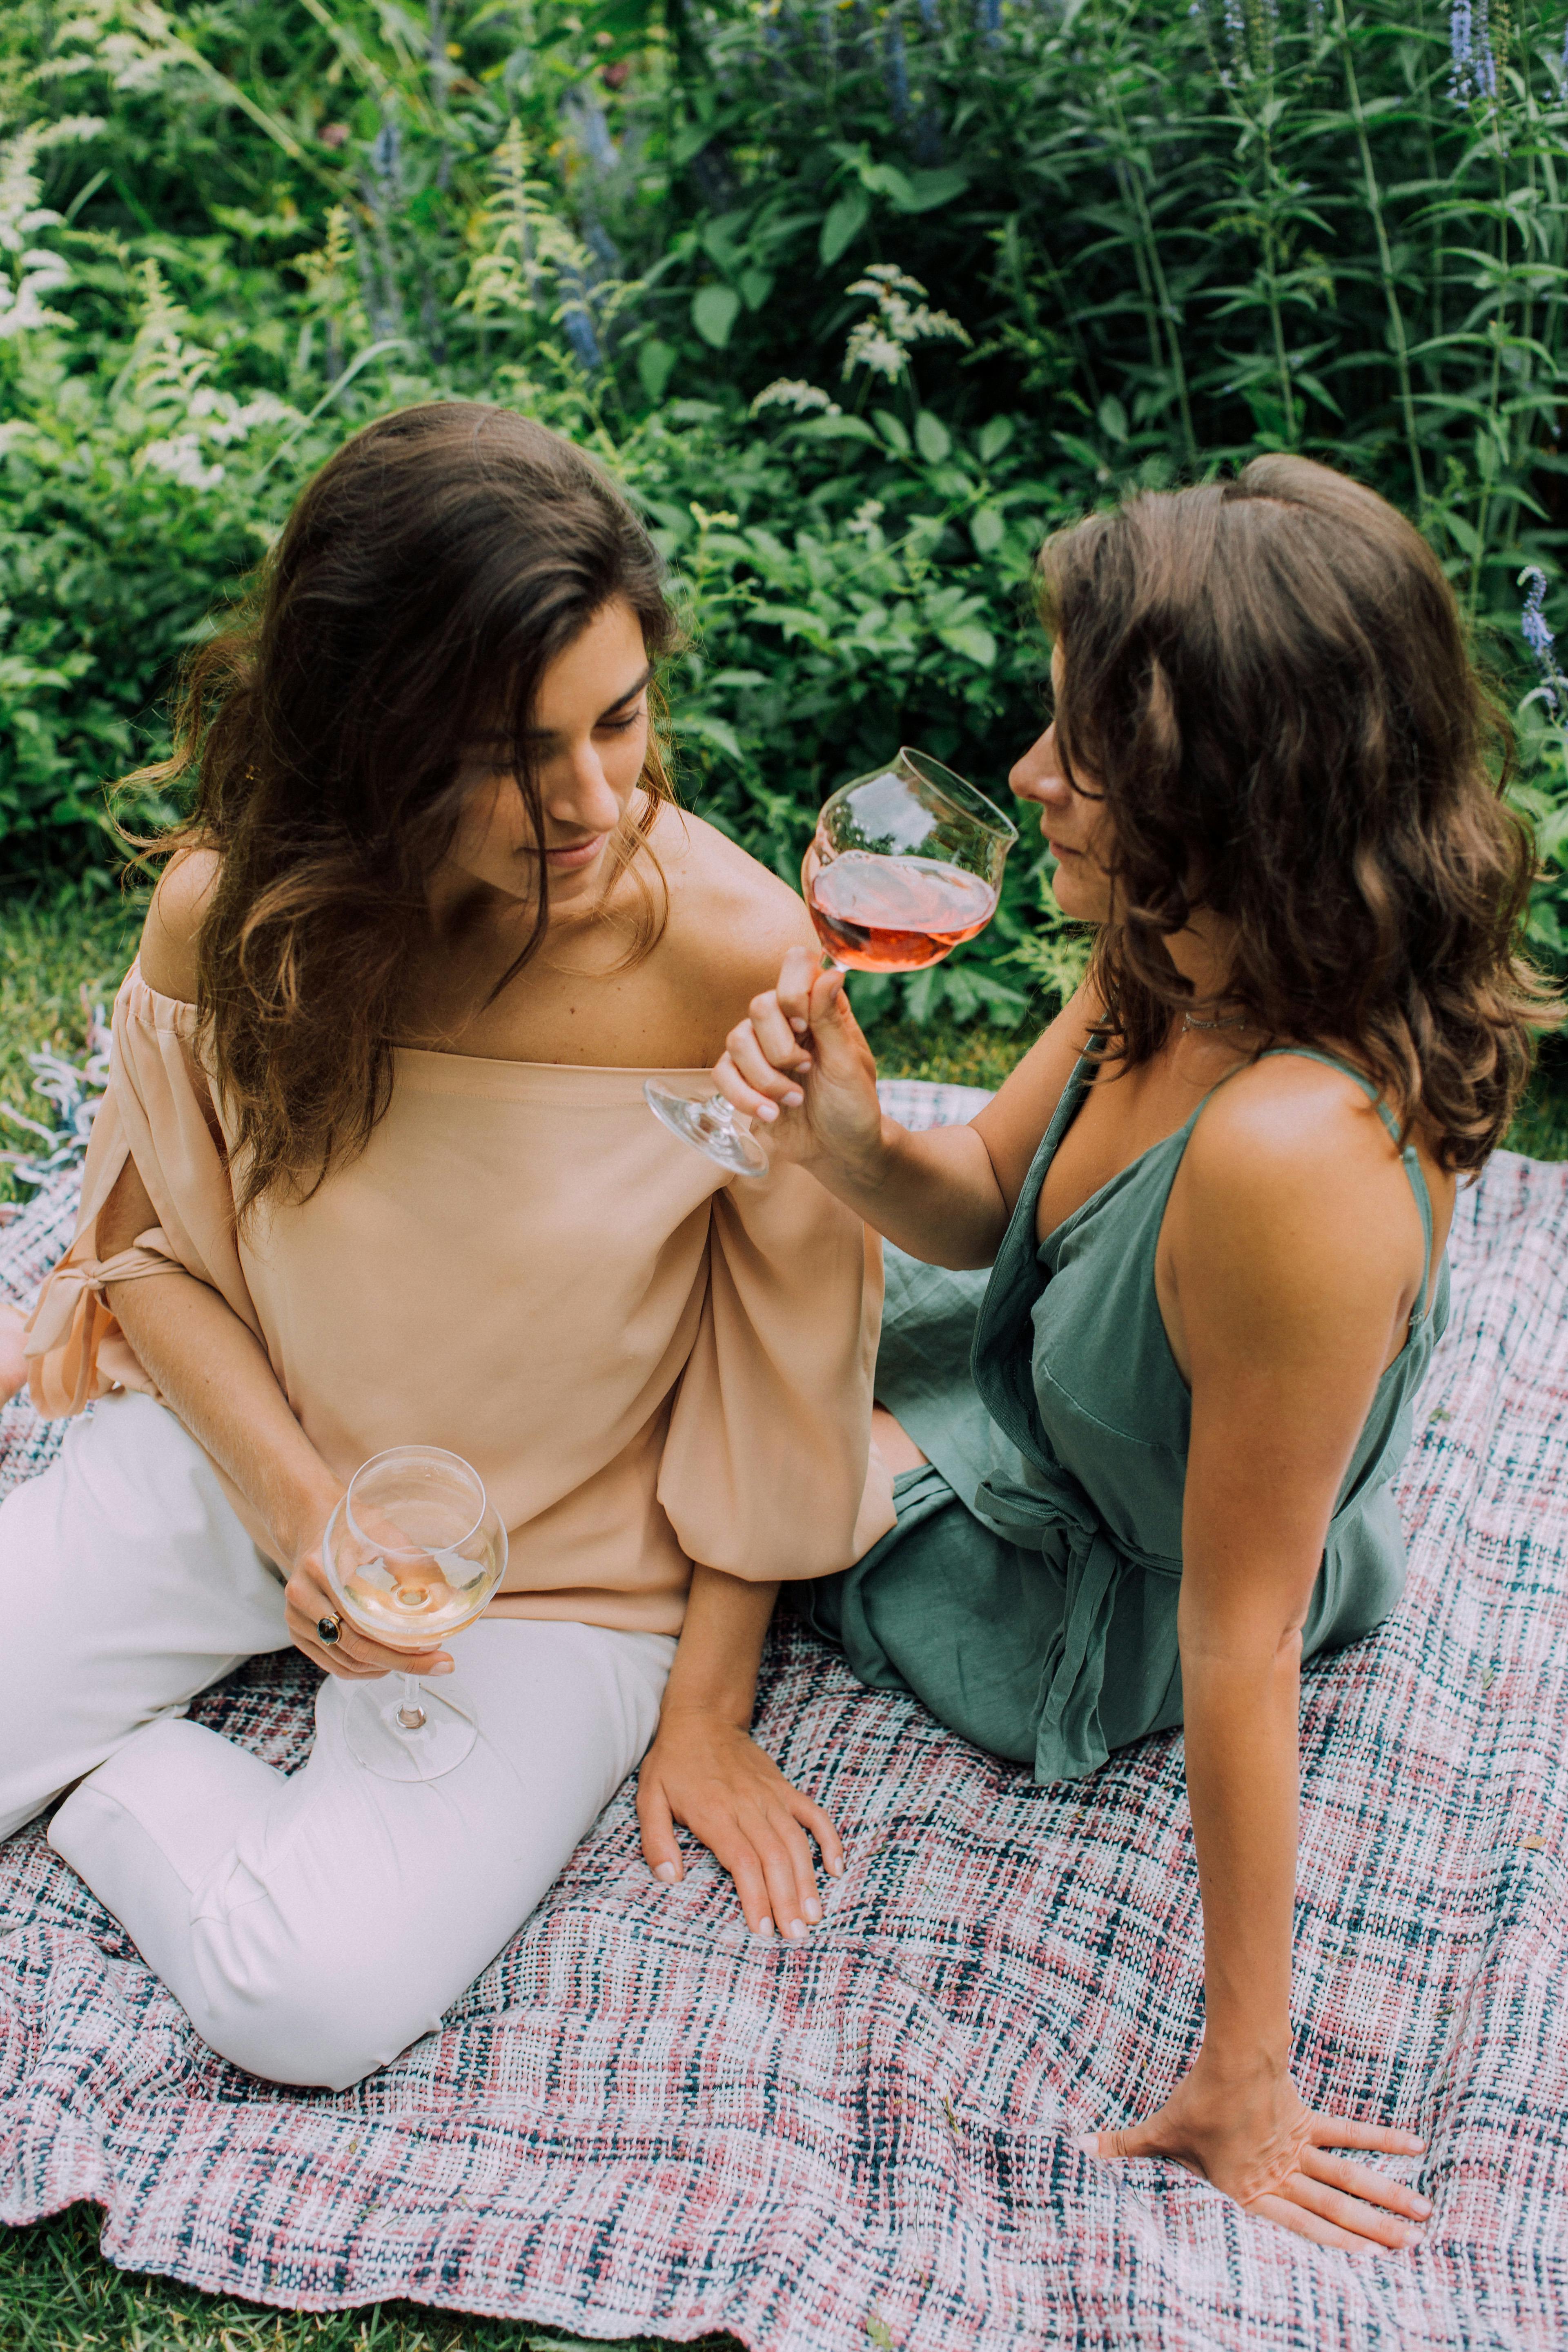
{"x": 1230, "y": 1020}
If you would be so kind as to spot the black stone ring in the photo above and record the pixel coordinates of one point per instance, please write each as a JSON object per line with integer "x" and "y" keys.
{"x": 329, "y": 1629}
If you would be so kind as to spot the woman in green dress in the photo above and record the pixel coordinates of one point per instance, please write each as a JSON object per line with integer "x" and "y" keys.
{"x": 1144, "y": 1465}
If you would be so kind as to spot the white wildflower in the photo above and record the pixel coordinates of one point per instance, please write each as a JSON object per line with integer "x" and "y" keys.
{"x": 69, "y": 129}
{"x": 787, "y": 392}
{"x": 882, "y": 343}
{"x": 180, "y": 458}
{"x": 864, "y": 521}
{"x": 35, "y": 272}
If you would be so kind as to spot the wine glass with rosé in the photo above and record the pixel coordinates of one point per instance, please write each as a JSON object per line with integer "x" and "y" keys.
{"x": 413, "y": 1552}
{"x": 905, "y": 865}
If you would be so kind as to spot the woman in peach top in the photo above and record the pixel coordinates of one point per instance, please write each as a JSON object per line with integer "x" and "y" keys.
{"x": 374, "y": 1168}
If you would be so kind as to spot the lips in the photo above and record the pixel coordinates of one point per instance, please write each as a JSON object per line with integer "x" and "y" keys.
{"x": 574, "y": 853}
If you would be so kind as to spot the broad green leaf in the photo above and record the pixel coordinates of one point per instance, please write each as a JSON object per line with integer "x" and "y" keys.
{"x": 987, "y": 529}
{"x": 714, "y": 311}
{"x": 976, "y": 643}
{"x": 929, "y": 189}
{"x": 995, "y": 436}
{"x": 656, "y": 360}
{"x": 845, "y": 220}
{"x": 932, "y": 437}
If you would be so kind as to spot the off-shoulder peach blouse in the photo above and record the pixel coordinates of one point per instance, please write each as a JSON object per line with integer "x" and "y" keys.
{"x": 648, "y": 1363}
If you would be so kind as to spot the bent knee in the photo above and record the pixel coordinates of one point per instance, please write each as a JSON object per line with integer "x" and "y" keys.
{"x": 307, "y": 2038}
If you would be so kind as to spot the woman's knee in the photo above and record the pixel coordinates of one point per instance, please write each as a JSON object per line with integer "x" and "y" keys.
{"x": 316, "y": 2035}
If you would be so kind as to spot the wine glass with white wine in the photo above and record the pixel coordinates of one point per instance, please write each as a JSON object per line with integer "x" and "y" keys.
{"x": 904, "y": 866}
{"x": 413, "y": 1552}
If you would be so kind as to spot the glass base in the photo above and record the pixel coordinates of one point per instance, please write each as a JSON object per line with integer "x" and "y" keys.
{"x": 692, "y": 1109}
{"x": 396, "y": 1750}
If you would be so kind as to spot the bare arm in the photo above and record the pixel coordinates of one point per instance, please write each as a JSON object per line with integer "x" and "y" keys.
{"x": 705, "y": 1769}
{"x": 216, "y": 1378}
{"x": 1289, "y": 1258}
{"x": 799, "y": 1065}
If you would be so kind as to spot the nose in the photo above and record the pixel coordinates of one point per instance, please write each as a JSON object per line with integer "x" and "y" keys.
{"x": 578, "y": 795}
{"x": 1037, "y": 775}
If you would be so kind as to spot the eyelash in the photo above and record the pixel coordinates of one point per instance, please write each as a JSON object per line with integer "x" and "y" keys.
{"x": 621, "y": 725}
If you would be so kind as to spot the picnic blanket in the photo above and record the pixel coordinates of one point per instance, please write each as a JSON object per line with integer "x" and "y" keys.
{"x": 639, "y": 2120}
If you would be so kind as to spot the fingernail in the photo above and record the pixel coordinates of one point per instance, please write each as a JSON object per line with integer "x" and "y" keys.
{"x": 835, "y": 1870}
{"x": 797, "y": 1024}
{"x": 812, "y": 1909}
{"x": 796, "y": 1929}
{"x": 767, "y": 1110}
{"x": 794, "y": 1100}
{"x": 1086, "y": 2144}
{"x": 763, "y": 1930}
{"x": 665, "y": 1869}
{"x": 441, "y": 1666}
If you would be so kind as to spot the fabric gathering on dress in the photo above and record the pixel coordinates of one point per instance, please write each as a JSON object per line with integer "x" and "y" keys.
{"x": 1028, "y": 1592}
{"x": 634, "y": 1352}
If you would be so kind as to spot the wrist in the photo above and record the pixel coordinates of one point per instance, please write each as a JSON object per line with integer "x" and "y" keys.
{"x": 1241, "y": 2060}
{"x": 861, "y": 1167}
{"x": 679, "y": 1714}
{"x": 298, "y": 1520}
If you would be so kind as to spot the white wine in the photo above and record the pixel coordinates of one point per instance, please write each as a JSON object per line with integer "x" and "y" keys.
{"x": 414, "y": 1604}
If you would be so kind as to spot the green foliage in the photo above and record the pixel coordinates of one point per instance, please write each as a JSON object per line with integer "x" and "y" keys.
{"x": 860, "y": 300}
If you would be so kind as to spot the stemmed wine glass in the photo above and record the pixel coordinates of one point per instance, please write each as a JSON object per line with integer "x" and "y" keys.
{"x": 905, "y": 865}
{"x": 413, "y": 1551}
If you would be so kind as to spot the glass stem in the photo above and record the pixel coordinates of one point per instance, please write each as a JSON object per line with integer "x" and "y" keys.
{"x": 411, "y": 1713}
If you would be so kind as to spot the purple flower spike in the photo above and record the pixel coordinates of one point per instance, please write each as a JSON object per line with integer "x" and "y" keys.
{"x": 1538, "y": 635}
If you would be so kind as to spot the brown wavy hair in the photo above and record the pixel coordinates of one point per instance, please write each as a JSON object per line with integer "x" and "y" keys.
{"x": 1268, "y": 683}
{"x": 424, "y": 581}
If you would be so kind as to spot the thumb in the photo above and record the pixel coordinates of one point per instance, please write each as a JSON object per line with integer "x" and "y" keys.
{"x": 1114, "y": 2146}
{"x": 835, "y": 1032}
{"x": 659, "y": 1849}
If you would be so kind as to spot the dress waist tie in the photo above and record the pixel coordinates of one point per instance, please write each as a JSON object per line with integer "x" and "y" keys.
{"x": 1049, "y": 1513}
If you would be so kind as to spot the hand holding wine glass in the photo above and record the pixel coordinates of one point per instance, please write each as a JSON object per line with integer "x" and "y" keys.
{"x": 799, "y": 1065}
{"x": 904, "y": 866}
{"x": 413, "y": 1553}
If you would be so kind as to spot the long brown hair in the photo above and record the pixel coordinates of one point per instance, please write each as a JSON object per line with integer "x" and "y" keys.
{"x": 425, "y": 579}
{"x": 1267, "y": 681}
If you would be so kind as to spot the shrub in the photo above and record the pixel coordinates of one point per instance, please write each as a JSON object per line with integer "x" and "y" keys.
{"x": 859, "y": 300}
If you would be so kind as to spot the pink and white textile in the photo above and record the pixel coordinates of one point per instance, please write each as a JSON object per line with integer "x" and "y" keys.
{"x": 638, "y": 2120}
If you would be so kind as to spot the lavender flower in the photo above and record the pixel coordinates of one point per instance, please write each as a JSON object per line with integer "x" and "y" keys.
{"x": 897, "y": 73}
{"x": 386, "y": 149}
{"x": 1473, "y": 70}
{"x": 580, "y": 334}
{"x": 1539, "y": 636}
{"x": 988, "y": 17}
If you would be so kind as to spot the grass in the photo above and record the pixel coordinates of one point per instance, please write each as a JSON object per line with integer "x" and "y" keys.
{"x": 49, "y": 954}
{"x": 56, "y": 2295}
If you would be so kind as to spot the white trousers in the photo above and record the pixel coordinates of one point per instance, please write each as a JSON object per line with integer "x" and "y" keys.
{"x": 311, "y": 1927}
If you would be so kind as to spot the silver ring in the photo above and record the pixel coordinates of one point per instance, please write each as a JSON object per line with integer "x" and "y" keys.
{"x": 329, "y": 1629}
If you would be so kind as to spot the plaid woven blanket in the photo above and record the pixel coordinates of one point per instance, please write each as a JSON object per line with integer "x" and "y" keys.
{"x": 639, "y": 2120}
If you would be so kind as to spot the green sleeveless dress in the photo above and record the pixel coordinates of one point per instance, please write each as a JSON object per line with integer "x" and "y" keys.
{"x": 1027, "y": 1595}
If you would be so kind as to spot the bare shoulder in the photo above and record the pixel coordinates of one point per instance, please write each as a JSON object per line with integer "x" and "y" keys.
{"x": 168, "y": 953}
{"x": 1291, "y": 1171}
{"x": 730, "y": 921}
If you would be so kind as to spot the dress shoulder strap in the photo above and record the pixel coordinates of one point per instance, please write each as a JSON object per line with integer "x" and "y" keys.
{"x": 1413, "y": 1170}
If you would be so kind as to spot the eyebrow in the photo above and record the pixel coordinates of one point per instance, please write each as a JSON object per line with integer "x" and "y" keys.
{"x": 547, "y": 734}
